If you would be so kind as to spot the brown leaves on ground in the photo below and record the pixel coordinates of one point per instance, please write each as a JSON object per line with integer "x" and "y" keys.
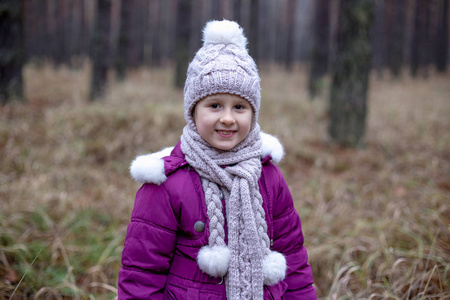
{"x": 375, "y": 219}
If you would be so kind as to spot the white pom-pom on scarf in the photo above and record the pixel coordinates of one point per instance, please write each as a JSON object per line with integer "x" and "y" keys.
{"x": 214, "y": 261}
{"x": 224, "y": 32}
{"x": 274, "y": 268}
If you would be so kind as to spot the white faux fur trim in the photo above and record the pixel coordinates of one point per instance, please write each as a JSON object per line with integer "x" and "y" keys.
{"x": 214, "y": 261}
{"x": 271, "y": 146}
{"x": 274, "y": 268}
{"x": 150, "y": 167}
{"x": 224, "y": 32}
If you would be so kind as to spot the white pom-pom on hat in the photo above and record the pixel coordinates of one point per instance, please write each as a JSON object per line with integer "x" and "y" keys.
{"x": 224, "y": 32}
{"x": 214, "y": 261}
{"x": 274, "y": 268}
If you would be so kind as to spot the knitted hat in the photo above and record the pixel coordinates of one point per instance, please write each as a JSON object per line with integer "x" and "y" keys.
{"x": 222, "y": 65}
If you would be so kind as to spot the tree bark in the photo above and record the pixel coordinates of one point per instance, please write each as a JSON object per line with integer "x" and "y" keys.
{"x": 101, "y": 49}
{"x": 76, "y": 27}
{"x": 136, "y": 34}
{"x": 12, "y": 52}
{"x": 442, "y": 40}
{"x": 60, "y": 51}
{"x": 348, "y": 97}
{"x": 237, "y": 15}
{"x": 183, "y": 29}
{"x": 215, "y": 10}
{"x": 319, "y": 53}
{"x": 253, "y": 30}
{"x": 124, "y": 43}
{"x": 379, "y": 38}
{"x": 420, "y": 47}
{"x": 156, "y": 25}
{"x": 196, "y": 22}
{"x": 289, "y": 55}
{"x": 396, "y": 37}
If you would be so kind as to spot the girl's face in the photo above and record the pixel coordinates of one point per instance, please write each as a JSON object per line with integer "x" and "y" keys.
{"x": 223, "y": 120}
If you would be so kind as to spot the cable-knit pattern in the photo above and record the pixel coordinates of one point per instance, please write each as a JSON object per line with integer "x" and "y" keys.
{"x": 220, "y": 68}
{"x": 223, "y": 65}
{"x": 236, "y": 173}
{"x": 214, "y": 209}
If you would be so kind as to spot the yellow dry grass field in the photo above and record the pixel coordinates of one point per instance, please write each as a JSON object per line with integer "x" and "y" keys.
{"x": 376, "y": 219}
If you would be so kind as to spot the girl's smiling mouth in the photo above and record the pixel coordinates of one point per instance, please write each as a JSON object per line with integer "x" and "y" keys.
{"x": 226, "y": 133}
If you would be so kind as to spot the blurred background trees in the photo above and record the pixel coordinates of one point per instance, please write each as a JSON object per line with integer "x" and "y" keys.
{"x": 320, "y": 46}
{"x": 11, "y": 49}
{"x": 64, "y": 192}
{"x": 101, "y": 49}
{"x": 120, "y": 35}
{"x": 286, "y": 32}
{"x": 351, "y": 66}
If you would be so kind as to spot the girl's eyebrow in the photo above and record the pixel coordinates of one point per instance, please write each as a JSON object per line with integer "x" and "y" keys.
{"x": 213, "y": 99}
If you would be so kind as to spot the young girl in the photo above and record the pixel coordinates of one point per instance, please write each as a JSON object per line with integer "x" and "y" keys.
{"x": 215, "y": 218}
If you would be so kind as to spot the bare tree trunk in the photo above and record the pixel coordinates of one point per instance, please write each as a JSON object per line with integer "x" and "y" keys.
{"x": 396, "y": 37}
{"x": 195, "y": 38}
{"x": 379, "y": 38}
{"x": 442, "y": 40}
{"x": 136, "y": 34}
{"x": 12, "y": 52}
{"x": 237, "y": 14}
{"x": 183, "y": 22}
{"x": 34, "y": 20}
{"x": 253, "y": 30}
{"x": 88, "y": 9}
{"x": 52, "y": 11}
{"x": 101, "y": 49}
{"x": 319, "y": 53}
{"x": 262, "y": 29}
{"x": 289, "y": 55}
{"x": 420, "y": 46}
{"x": 168, "y": 37}
{"x": 146, "y": 33}
{"x": 156, "y": 24}
{"x": 60, "y": 53}
{"x": 348, "y": 98}
{"x": 226, "y": 11}
{"x": 215, "y": 10}
{"x": 124, "y": 43}
{"x": 76, "y": 27}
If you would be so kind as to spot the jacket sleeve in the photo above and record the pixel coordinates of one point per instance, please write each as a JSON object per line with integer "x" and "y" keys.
{"x": 149, "y": 245}
{"x": 288, "y": 239}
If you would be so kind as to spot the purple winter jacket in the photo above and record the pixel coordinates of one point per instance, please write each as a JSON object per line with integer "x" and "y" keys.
{"x": 163, "y": 240}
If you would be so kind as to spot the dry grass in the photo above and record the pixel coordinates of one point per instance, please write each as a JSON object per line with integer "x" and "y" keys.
{"x": 376, "y": 219}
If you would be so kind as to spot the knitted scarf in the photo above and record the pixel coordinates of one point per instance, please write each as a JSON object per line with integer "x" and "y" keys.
{"x": 235, "y": 173}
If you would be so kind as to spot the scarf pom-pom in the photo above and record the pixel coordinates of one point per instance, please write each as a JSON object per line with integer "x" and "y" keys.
{"x": 214, "y": 261}
{"x": 274, "y": 268}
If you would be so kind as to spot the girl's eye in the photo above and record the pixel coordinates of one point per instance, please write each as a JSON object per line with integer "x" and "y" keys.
{"x": 215, "y": 105}
{"x": 239, "y": 106}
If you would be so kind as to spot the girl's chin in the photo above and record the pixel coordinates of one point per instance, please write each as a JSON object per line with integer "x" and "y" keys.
{"x": 224, "y": 145}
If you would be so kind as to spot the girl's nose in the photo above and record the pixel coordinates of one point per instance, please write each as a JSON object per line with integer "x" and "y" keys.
{"x": 227, "y": 118}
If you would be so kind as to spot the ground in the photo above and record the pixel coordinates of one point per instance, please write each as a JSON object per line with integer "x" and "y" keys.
{"x": 375, "y": 219}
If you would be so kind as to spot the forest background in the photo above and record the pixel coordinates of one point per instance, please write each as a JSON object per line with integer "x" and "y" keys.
{"x": 99, "y": 87}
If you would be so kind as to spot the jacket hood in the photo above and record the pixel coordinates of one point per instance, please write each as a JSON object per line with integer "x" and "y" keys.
{"x": 155, "y": 167}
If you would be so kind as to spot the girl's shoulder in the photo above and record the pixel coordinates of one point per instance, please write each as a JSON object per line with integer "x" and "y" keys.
{"x": 272, "y": 149}
{"x": 156, "y": 167}
{"x": 150, "y": 168}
